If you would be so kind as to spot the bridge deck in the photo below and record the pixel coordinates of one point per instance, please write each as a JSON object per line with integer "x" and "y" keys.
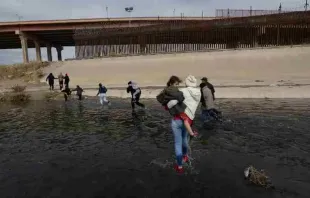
{"x": 61, "y": 32}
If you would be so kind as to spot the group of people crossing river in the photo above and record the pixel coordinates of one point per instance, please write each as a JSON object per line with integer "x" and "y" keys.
{"x": 181, "y": 103}
{"x": 132, "y": 88}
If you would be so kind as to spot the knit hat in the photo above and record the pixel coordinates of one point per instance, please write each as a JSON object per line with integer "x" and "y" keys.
{"x": 191, "y": 81}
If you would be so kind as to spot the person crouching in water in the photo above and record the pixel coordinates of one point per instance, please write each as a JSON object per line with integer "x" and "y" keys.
{"x": 135, "y": 94}
{"x": 172, "y": 99}
{"x": 79, "y": 92}
{"x": 208, "y": 109}
{"x": 67, "y": 92}
{"x": 102, "y": 92}
{"x": 182, "y": 122}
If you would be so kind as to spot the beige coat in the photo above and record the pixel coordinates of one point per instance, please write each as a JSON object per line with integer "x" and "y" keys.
{"x": 207, "y": 95}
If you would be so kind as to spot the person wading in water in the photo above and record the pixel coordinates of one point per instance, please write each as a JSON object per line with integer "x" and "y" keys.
{"x": 172, "y": 93}
{"x": 79, "y": 92}
{"x": 61, "y": 81}
{"x": 208, "y": 110}
{"x": 191, "y": 100}
{"x": 67, "y": 92}
{"x": 50, "y": 78}
{"x": 135, "y": 94}
{"x": 205, "y": 82}
{"x": 102, "y": 92}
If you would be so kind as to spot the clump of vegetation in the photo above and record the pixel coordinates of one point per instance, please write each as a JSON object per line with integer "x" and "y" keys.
{"x": 17, "y": 95}
{"x": 29, "y": 72}
{"x": 52, "y": 96}
{"x": 18, "y": 88}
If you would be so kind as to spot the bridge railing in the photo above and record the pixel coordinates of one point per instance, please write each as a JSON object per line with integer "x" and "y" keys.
{"x": 241, "y": 33}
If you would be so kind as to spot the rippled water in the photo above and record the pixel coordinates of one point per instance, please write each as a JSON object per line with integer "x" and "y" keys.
{"x": 80, "y": 149}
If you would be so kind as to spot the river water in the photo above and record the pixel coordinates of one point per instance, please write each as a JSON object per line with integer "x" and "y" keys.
{"x": 80, "y": 149}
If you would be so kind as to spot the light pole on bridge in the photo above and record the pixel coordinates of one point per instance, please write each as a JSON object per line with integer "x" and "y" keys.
{"x": 129, "y": 9}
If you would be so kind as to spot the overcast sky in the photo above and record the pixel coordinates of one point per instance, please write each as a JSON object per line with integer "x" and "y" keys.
{"x": 69, "y": 9}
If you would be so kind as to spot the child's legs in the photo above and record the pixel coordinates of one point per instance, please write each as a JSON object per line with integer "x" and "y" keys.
{"x": 176, "y": 126}
{"x": 188, "y": 127}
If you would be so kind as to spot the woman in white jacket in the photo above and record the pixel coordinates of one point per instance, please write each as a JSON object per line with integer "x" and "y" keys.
{"x": 192, "y": 96}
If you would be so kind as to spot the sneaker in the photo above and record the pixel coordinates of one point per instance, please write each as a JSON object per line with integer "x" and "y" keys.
{"x": 185, "y": 158}
{"x": 177, "y": 169}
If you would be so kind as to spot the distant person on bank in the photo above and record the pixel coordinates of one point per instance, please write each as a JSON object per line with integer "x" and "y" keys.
{"x": 51, "y": 78}
{"x": 208, "y": 109}
{"x": 135, "y": 91}
{"x": 61, "y": 81}
{"x": 79, "y": 92}
{"x": 67, "y": 80}
{"x": 102, "y": 93}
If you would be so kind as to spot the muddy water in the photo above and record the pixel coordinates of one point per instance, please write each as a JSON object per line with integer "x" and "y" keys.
{"x": 78, "y": 149}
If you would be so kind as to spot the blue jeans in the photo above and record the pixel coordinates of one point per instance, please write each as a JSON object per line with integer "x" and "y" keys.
{"x": 180, "y": 139}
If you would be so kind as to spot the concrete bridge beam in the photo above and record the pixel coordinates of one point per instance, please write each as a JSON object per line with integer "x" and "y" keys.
{"x": 37, "y": 41}
{"x": 24, "y": 45}
{"x": 38, "y": 51}
{"x": 49, "y": 52}
{"x": 59, "y": 49}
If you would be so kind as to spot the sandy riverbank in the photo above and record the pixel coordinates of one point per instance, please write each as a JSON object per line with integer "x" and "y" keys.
{"x": 259, "y": 73}
{"x": 241, "y": 67}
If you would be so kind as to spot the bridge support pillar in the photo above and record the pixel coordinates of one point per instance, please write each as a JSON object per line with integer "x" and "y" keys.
{"x": 38, "y": 51}
{"x": 24, "y": 45}
{"x": 49, "y": 52}
{"x": 59, "y": 49}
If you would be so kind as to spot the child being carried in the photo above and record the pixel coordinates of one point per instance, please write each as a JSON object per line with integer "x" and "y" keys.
{"x": 172, "y": 99}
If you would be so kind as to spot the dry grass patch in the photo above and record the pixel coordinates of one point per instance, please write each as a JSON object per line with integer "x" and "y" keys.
{"x": 29, "y": 72}
{"x": 16, "y": 95}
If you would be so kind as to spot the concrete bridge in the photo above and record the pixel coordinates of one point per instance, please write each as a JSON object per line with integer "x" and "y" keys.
{"x": 59, "y": 33}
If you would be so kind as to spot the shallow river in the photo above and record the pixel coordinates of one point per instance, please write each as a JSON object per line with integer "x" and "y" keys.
{"x": 79, "y": 149}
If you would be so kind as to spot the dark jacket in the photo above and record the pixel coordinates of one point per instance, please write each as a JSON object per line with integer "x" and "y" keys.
{"x": 78, "y": 90}
{"x": 67, "y": 79}
{"x": 67, "y": 91}
{"x": 172, "y": 93}
{"x": 131, "y": 90}
{"x": 102, "y": 89}
{"x": 50, "y": 78}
